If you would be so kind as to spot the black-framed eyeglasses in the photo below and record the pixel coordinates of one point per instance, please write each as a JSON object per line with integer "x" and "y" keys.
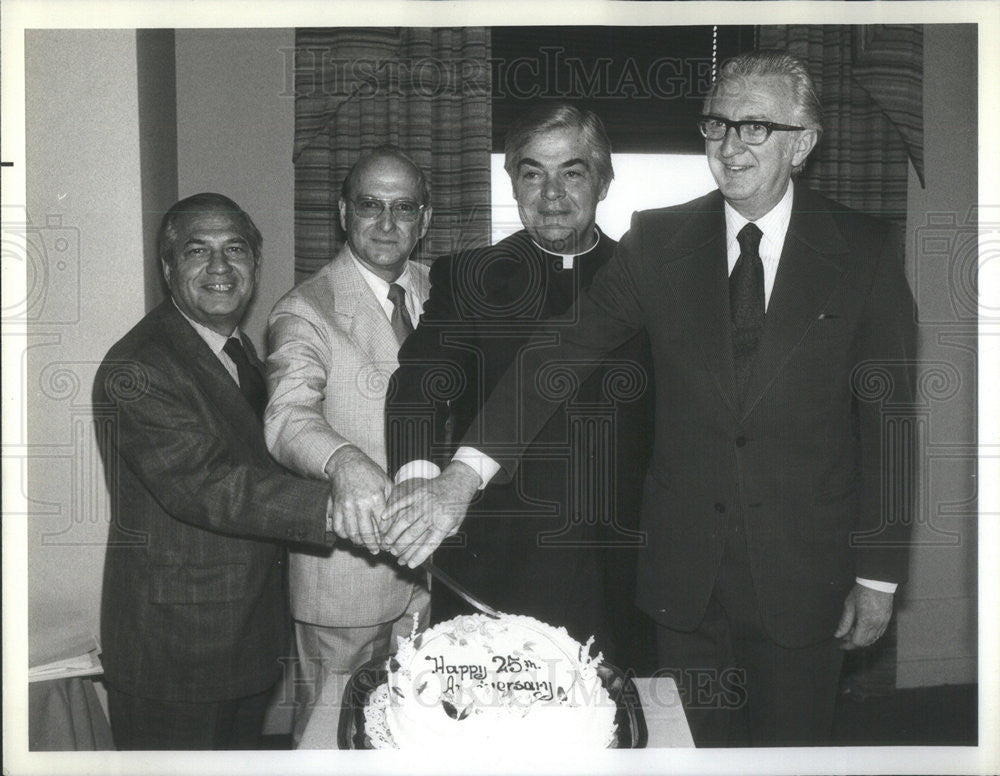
{"x": 751, "y": 132}
{"x": 401, "y": 209}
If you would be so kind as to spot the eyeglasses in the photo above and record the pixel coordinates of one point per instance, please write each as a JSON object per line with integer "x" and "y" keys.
{"x": 751, "y": 132}
{"x": 401, "y": 209}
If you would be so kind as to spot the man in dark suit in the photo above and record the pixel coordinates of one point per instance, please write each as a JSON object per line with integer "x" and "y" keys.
{"x": 777, "y": 505}
{"x": 559, "y": 541}
{"x": 194, "y": 616}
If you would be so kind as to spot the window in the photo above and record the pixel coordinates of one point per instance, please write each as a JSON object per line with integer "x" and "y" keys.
{"x": 646, "y": 84}
{"x": 641, "y": 181}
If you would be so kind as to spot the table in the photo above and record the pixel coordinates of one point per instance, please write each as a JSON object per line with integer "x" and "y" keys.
{"x": 661, "y": 706}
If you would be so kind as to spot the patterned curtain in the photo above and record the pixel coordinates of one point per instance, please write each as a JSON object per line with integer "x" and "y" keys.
{"x": 870, "y": 82}
{"x": 426, "y": 90}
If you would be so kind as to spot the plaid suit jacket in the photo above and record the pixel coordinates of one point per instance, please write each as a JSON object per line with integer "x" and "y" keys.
{"x": 193, "y": 605}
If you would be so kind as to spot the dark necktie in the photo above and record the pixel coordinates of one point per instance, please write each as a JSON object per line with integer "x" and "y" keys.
{"x": 402, "y": 326}
{"x": 251, "y": 382}
{"x": 746, "y": 302}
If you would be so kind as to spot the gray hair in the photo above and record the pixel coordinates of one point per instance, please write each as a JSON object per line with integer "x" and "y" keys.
{"x": 770, "y": 62}
{"x": 386, "y": 150}
{"x": 206, "y": 202}
{"x": 561, "y": 115}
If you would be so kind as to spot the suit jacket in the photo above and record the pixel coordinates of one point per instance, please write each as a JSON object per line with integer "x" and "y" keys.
{"x": 193, "y": 606}
{"x": 532, "y": 546}
{"x": 802, "y": 457}
{"x": 332, "y": 350}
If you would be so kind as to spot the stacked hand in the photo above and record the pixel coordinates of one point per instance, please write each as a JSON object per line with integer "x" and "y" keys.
{"x": 359, "y": 489}
{"x": 410, "y": 520}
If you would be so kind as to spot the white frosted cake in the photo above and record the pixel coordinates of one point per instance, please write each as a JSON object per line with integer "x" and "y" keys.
{"x": 479, "y": 682}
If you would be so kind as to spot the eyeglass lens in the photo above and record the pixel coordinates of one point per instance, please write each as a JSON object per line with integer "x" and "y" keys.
{"x": 402, "y": 210}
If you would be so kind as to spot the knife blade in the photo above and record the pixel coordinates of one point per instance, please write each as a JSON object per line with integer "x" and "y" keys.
{"x": 459, "y": 589}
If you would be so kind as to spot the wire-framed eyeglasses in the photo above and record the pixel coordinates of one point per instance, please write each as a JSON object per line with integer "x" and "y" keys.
{"x": 401, "y": 209}
{"x": 751, "y": 131}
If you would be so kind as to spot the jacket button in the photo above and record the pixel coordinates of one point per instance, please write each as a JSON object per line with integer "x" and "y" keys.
{"x": 720, "y": 507}
{"x": 741, "y": 441}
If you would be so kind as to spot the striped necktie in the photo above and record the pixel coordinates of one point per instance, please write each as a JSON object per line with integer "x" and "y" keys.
{"x": 402, "y": 326}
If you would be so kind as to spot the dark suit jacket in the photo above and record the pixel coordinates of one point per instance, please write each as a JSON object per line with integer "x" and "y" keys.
{"x": 529, "y": 546}
{"x": 801, "y": 456}
{"x": 194, "y": 603}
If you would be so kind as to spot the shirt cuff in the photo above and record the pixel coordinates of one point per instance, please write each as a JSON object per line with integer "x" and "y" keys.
{"x": 874, "y": 584}
{"x": 480, "y": 463}
{"x": 427, "y": 470}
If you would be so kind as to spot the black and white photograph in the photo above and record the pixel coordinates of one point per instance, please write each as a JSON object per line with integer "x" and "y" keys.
{"x": 458, "y": 387}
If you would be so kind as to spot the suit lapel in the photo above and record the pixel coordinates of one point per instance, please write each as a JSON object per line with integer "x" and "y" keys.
{"x": 206, "y": 369}
{"x": 812, "y": 266}
{"x": 698, "y": 275}
{"x": 364, "y": 319}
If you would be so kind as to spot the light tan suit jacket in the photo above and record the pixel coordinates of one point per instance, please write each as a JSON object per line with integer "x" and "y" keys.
{"x": 332, "y": 351}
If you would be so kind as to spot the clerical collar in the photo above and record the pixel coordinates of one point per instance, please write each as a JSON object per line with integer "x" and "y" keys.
{"x": 567, "y": 258}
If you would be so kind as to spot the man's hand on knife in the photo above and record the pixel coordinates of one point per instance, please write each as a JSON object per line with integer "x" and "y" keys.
{"x": 422, "y": 513}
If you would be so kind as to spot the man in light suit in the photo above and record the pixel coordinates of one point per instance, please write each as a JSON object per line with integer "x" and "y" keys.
{"x": 781, "y": 325}
{"x": 333, "y": 342}
{"x": 194, "y": 616}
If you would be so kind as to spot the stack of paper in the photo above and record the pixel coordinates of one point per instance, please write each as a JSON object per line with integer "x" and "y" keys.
{"x": 85, "y": 664}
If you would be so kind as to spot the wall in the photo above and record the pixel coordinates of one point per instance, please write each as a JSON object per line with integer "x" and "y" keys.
{"x": 235, "y": 133}
{"x": 84, "y": 201}
{"x": 937, "y": 620}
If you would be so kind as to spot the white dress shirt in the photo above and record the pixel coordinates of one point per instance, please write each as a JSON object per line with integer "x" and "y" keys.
{"x": 216, "y": 342}
{"x": 380, "y": 287}
{"x": 774, "y": 227}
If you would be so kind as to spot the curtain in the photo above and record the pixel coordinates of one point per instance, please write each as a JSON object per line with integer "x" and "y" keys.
{"x": 426, "y": 90}
{"x": 870, "y": 83}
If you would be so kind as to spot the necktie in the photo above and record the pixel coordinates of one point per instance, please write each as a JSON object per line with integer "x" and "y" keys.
{"x": 251, "y": 382}
{"x": 746, "y": 302}
{"x": 402, "y": 326}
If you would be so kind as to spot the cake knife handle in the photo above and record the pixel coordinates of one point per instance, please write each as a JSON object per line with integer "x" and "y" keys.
{"x": 460, "y": 590}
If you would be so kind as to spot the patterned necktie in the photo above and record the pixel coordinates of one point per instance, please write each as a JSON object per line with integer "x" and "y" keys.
{"x": 402, "y": 326}
{"x": 251, "y": 382}
{"x": 746, "y": 302}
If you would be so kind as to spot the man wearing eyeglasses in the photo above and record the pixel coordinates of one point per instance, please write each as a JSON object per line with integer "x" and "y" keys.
{"x": 777, "y": 506}
{"x": 333, "y": 343}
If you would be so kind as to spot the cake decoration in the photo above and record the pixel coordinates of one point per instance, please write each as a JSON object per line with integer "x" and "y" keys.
{"x": 478, "y": 681}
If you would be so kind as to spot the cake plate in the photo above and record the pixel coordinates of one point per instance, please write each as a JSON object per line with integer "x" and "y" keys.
{"x": 631, "y": 730}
